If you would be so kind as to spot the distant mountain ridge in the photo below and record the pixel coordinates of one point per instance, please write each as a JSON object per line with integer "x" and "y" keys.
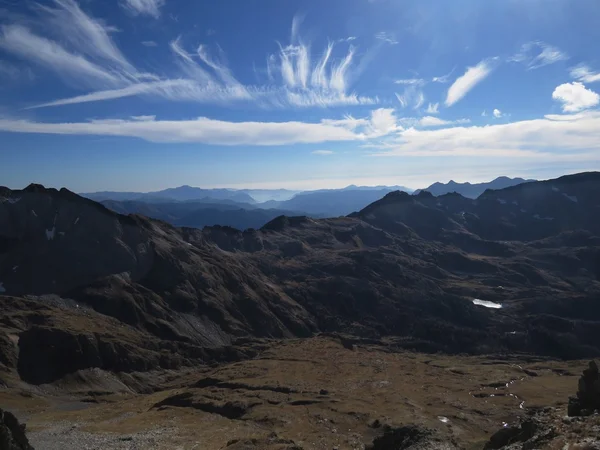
{"x": 250, "y": 196}
{"x": 472, "y": 190}
{"x": 201, "y": 213}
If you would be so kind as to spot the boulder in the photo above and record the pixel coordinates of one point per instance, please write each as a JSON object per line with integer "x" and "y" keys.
{"x": 12, "y": 433}
{"x": 588, "y": 393}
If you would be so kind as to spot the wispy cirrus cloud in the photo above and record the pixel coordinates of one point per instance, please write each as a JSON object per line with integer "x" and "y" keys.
{"x": 144, "y": 7}
{"x": 84, "y": 34}
{"x": 538, "y": 54}
{"x": 23, "y": 43}
{"x": 387, "y": 36}
{"x": 322, "y": 152}
{"x": 433, "y": 108}
{"x": 410, "y": 81}
{"x": 93, "y": 60}
{"x": 411, "y": 97}
{"x": 218, "y": 132}
{"x": 149, "y": 44}
{"x": 429, "y": 122}
{"x": 321, "y": 81}
{"x": 575, "y": 97}
{"x": 473, "y": 76}
{"x": 444, "y": 78}
{"x": 584, "y": 74}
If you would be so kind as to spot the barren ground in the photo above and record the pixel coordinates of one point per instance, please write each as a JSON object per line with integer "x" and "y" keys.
{"x": 309, "y": 394}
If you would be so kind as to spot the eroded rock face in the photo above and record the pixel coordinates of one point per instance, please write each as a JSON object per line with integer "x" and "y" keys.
{"x": 587, "y": 400}
{"x": 12, "y": 433}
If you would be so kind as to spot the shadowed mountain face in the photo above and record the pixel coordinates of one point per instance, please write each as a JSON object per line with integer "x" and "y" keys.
{"x": 131, "y": 293}
{"x": 472, "y": 190}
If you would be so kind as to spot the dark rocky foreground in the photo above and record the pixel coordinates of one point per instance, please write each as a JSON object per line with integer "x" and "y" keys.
{"x": 550, "y": 428}
{"x": 84, "y": 287}
{"x": 12, "y": 433}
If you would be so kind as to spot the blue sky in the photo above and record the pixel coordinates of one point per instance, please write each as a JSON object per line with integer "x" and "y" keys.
{"x": 146, "y": 94}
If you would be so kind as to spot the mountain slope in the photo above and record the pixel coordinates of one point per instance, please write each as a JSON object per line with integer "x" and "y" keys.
{"x": 131, "y": 293}
{"x": 472, "y": 190}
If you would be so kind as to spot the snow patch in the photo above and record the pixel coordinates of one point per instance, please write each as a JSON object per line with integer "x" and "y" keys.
{"x": 501, "y": 201}
{"x": 487, "y": 304}
{"x": 33, "y": 212}
{"x": 50, "y": 233}
{"x": 555, "y": 189}
{"x": 2, "y": 288}
{"x": 516, "y": 203}
{"x": 62, "y": 233}
{"x": 13, "y": 200}
{"x": 537, "y": 216}
{"x": 15, "y": 268}
{"x": 523, "y": 210}
{"x": 76, "y": 221}
{"x": 443, "y": 419}
{"x": 570, "y": 197}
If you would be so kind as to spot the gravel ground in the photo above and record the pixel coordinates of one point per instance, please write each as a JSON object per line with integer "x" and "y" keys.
{"x": 67, "y": 436}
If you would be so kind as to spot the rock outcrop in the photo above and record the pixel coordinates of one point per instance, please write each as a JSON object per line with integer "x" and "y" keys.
{"x": 587, "y": 401}
{"x": 12, "y": 433}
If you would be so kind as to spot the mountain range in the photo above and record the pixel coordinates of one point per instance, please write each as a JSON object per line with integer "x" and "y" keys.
{"x": 242, "y": 209}
{"x": 83, "y": 286}
{"x": 196, "y": 207}
{"x": 472, "y": 190}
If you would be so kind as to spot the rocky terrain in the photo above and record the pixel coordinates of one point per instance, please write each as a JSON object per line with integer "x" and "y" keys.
{"x": 125, "y": 305}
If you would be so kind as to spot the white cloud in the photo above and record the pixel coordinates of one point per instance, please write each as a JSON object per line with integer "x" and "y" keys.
{"x": 484, "y": 113}
{"x": 322, "y": 152}
{"x": 412, "y": 96}
{"x": 584, "y": 74}
{"x": 144, "y": 7}
{"x": 322, "y": 81}
{"x": 411, "y": 81}
{"x": 463, "y": 84}
{"x": 552, "y": 138}
{"x": 143, "y": 118}
{"x": 22, "y": 42}
{"x": 497, "y": 113}
{"x": 149, "y": 44}
{"x": 218, "y": 132}
{"x": 85, "y": 34}
{"x": 203, "y": 77}
{"x": 443, "y": 79}
{"x": 538, "y": 54}
{"x": 386, "y": 36}
{"x": 166, "y": 88}
{"x": 430, "y": 121}
{"x": 575, "y": 97}
{"x": 433, "y": 108}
